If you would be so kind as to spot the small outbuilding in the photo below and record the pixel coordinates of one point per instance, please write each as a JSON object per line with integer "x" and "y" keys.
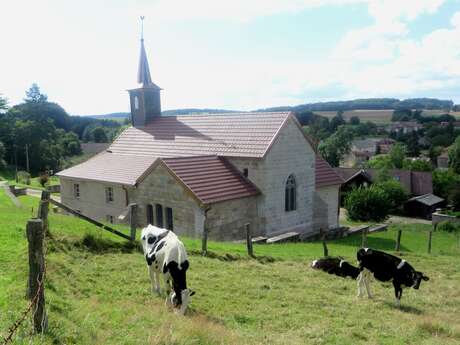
{"x": 423, "y": 206}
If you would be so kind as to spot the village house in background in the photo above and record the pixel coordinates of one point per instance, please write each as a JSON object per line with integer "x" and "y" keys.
{"x": 416, "y": 183}
{"x": 217, "y": 171}
{"x": 404, "y": 127}
{"x": 364, "y": 149}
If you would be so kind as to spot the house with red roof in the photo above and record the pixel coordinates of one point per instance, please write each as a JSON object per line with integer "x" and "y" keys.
{"x": 219, "y": 172}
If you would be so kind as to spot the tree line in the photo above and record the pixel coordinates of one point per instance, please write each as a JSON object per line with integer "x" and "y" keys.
{"x": 37, "y": 135}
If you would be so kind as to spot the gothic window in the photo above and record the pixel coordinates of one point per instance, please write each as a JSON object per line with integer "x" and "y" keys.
{"x": 159, "y": 215}
{"x": 150, "y": 214}
{"x": 290, "y": 194}
{"x": 136, "y": 102}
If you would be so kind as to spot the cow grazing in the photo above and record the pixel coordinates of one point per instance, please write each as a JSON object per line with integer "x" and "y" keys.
{"x": 386, "y": 267}
{"x": 337, "y": 266}
{"x": 165, "y": 255}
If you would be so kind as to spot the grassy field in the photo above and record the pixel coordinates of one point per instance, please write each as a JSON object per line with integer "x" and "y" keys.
{"x": 380, "y": 117}
{"x": 8, "y": 175}
{"x": 98, "y": 291}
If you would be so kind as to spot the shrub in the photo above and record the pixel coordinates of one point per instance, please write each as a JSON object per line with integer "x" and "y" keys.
{"x": 367, "y": 204}
{"x": 395, "y": 193}
{"x": 455, "y": 198}
{"x": 447, "y": 226}
{"x": 24, "y": 177}
{"x": 43, "y": 179}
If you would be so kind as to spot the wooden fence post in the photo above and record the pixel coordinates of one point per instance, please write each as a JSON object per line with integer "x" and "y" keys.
{"x": 204, "y": 241}
{"x": 133, "y": 220}
{"x": 43, "y": 209}
{"x": 398, "y": 241}
{"x": 249, "y": 240}
{"x": 36, "y": 283}
{"x": 323, "y": 239}
{"x": 430, "y": 235}
{"x": 364, "y": 240}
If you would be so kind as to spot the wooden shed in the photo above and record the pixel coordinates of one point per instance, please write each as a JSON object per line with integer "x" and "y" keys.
{"x": 423, "y": 206}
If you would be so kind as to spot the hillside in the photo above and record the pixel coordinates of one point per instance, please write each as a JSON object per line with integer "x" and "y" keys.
{"x": 98, "y": 291}
{"x": 368, "y": 109}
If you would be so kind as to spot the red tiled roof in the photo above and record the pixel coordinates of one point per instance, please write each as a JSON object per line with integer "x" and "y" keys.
{"x": 231, "y": 135}
{"x": 210, "y": 178}
{"x": 109, "y": 167}
{"x": 325, "y": 175}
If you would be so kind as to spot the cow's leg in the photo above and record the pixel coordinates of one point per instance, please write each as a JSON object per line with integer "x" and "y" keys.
{"x": 169, "y": 293}
{"x": 366, "y": 277}
{"x": 154, "y": 279}
{"x": 398, "y": 293}
{"x": 360, "y": 283}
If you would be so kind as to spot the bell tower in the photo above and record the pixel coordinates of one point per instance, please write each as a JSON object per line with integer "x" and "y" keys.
{"x": 145, "y": 99}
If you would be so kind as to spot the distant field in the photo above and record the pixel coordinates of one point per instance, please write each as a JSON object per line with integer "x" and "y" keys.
{"x": 377, "y": 116}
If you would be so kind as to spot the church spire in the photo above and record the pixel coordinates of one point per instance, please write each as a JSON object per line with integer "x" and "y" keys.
{"x": 143, "y": 73}
{"x": 145, "y": 99}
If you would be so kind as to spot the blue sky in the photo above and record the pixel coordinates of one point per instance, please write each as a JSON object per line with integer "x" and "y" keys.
{"x": 239, "y": 54}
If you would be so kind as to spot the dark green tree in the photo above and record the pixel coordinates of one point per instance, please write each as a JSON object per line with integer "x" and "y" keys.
{"x": 3, "y": 104}
{"x": 99, "y": 135}
{"x": 336, "y": 146}
{"x": 398, "y": 155}
{"x": 454, "y": 156}
{"x": 2, "y": 155}
{"x": 367, "y": 204}
{"x": 354, "y": 120}
{"x": 34, "y": 95}
{"x": 444, "y": 182}
{"x": 337, "y": 121}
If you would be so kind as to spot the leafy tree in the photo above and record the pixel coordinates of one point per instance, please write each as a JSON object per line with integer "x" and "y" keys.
{"x": 33, "y": 95}
{"x": 354, "y": 120}
{"x": 43, "y": 179}
{"x": 395, "y": 193}
{"x": 418, "y": 165}
{"x": 455, "y": 198}
{"x": 337, "y": 121}
{"x": 434, "y": 152}
{"x": 367, "y": 204}
{"x": 397, "y": 155}
{"x": 3, "y": 104}
{"x": 336, "y": 146}
{"x": 454, "y": 156}
{"x": 413, "y": 148}
{"x": 380, "y": 162}
{"x": 2, "y": 155}
{"x": 99, "y": 135}
{"x": 444, "y": 182}
{"x": 402, "y": 114}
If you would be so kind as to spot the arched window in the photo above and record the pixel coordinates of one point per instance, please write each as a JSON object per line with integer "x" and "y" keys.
{"x": 136, "y": 103}
{"x": 290, "y": 194}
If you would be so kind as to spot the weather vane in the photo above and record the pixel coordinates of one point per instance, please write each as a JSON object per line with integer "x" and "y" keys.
{"x": 142, "y": 27}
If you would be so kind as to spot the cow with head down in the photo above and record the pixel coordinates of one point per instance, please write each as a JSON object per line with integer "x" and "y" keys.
{"x": 166, "y": 256}
{"x": 386, "y": 267}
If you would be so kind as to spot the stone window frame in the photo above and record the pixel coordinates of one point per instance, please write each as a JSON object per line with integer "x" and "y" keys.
{"x": 76, "y": 190}
{"x": 109, "y": 195}
{"x": 290, "y": 194}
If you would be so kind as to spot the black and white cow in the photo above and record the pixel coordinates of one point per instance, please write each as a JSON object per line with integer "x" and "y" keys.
{"x": 337, "y": 266}
{"x": 165, "y": 255}
{"x": 386, "y": 267}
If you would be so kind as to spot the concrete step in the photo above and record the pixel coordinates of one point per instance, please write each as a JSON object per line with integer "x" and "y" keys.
{"x": 286, "y": 237}
{"x": 379, "y": 228}
{"x": 259, "y": 239}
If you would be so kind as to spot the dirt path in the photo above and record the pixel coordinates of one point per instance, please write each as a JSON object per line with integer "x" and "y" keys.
{"x": 392, "y": 219}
